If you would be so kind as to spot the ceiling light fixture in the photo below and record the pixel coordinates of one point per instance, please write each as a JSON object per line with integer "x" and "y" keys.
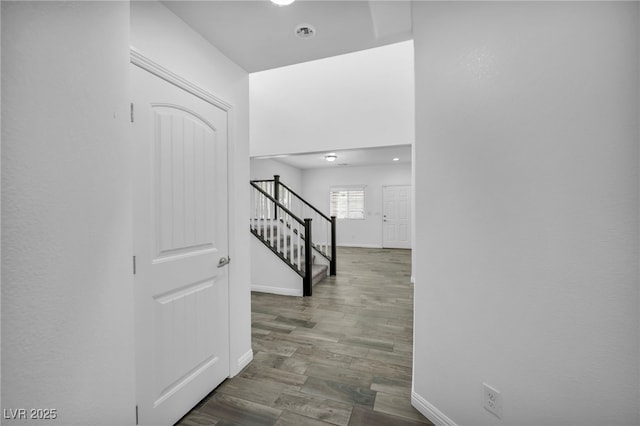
{"x": 396, "y": 159}
{"x": 282, "y": 2}
{"x": 331, "y": 157}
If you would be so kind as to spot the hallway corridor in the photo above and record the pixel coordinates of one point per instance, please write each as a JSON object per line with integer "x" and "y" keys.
{"x": 342, "y": 356}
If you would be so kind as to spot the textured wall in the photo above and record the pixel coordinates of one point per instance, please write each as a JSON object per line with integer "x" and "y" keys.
{"x": 67, "y": 300}
{"x": 527, "y": 194}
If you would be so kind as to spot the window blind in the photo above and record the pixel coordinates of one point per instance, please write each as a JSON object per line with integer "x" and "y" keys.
{"x": 347, "y": 203}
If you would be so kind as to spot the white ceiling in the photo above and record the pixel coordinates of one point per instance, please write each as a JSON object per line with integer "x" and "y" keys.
{"x": 351, "y": 157}
{"x": 259, "y": 35}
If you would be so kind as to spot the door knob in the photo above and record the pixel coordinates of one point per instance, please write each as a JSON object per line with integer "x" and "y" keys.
{"x": 223, "y": 261}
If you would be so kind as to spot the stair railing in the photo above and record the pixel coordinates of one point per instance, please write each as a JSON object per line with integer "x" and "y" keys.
{"x": 323, "y": 226}
{"x": 282, "y": 231}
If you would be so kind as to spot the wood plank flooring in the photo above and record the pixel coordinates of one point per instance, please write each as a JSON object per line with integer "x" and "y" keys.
{"x": 341, "y": 357}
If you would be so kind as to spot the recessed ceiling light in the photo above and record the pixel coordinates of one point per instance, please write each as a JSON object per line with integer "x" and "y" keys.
{"x": 331, "y": 157}
{"x": 282, "y": 2}
{"x": 396, "y": 159}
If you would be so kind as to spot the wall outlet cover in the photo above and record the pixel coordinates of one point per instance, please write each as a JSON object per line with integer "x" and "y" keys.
{"x": 492, "y": 399}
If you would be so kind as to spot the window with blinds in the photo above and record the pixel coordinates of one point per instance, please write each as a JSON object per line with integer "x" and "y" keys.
{"x": 347, "y": 203}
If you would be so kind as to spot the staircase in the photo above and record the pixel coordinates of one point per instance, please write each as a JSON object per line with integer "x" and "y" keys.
{"x": 277, "y": 221}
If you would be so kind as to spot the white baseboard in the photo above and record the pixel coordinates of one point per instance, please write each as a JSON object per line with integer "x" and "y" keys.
{"x": 243, "y": 361}
{"x": 360, "y": 245}
{"x": 277, "y": 290}
{"x": 436, "y": 416}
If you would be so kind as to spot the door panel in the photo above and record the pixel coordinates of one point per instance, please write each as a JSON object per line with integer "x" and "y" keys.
{"x": 185, "y": 149}
{"x": 180, "y": 233}
{"x": 396, "y": 232}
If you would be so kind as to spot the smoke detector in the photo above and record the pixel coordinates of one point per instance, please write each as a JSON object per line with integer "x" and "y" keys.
{"x": 305, "y": 31}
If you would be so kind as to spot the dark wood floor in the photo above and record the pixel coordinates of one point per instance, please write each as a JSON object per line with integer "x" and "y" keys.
{"x": 342, "y": 356}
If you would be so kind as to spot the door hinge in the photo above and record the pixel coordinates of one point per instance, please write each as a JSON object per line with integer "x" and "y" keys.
{"x": 132, "y": 112}
{"x": 136, "y": 414}
{"x": 134, "y": 265}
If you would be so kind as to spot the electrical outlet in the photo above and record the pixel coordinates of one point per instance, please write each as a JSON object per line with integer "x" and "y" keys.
{"x": 492, "y": 400}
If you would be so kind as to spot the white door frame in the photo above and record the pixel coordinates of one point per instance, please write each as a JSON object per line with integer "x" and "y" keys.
{"x": 139, "y": 59}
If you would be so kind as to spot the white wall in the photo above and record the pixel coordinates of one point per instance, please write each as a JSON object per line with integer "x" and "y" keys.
{"x": 271, "y": 275}
{"x": 67, "y": 299}
{"x": 266, "y": 168}
{"x": 357, "y": 100}
{"x": 527, "y": 195}
{"x": 166, "y": 39}
{"x": 359, "y": 233}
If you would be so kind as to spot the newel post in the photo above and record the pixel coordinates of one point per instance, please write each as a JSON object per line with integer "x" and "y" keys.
{"x": 334, "y": 251}
{"x": 276, "y": 194}
{"x": 308, "y": 260}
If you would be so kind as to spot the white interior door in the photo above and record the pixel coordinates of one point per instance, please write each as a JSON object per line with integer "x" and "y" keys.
{"x": 180, "y": 235}
{"x": 396, "y": 219}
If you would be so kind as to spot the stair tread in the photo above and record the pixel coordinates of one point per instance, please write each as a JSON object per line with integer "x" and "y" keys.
{"x": 318, "y": 273}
